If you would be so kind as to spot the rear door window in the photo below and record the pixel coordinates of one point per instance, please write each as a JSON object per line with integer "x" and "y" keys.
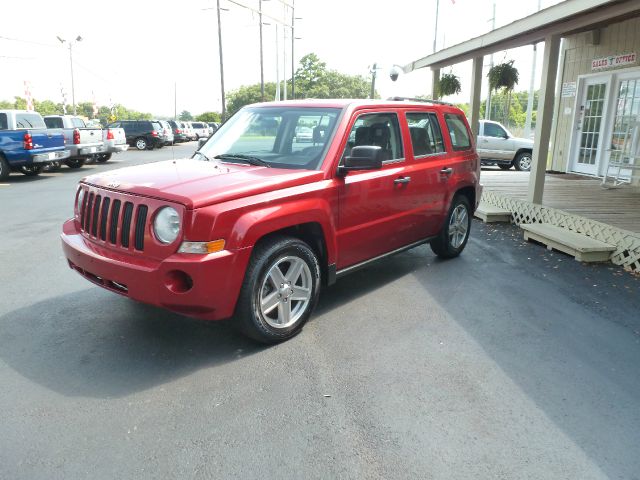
{"x": 457, "y": 131}
{"x": 4, "y": 123}
{"x": 426, "y": 136}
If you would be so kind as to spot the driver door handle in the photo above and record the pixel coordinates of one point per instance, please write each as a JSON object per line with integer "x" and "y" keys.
{"x": 402, "y": 180}
{"x": 446, "y": 171}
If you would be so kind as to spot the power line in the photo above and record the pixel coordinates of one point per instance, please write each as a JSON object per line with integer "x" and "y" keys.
{"x": 28, "y": 41}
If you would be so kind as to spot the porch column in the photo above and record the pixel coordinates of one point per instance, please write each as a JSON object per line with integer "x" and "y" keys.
{"x": 544, "y": 118}
{"x": 476, "y": 87}
{"x": 435, "y": 78}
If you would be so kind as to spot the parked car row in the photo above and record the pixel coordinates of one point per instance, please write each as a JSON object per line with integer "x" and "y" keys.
{"x": 150, "y": 134}
{"x": 30, "y": 143}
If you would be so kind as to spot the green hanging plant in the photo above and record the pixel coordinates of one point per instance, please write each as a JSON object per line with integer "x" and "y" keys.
{"x": 503, "y": 75}
{"x": 449, "y": 84}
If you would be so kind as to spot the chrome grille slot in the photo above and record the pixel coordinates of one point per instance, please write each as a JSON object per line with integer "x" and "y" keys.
{"x": 141, "y": 221}
{"x": 103, "y": 218}
{"x": 94, "y": 219}
{"x": 115, "y": 214}
{"x": 126, "y": 224}
{"x": 87, "y": 218}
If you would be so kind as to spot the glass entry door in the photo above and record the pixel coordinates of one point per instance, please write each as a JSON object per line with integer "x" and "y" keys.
{"x": 627, "y": 115}
{"x": 592, "y": 109}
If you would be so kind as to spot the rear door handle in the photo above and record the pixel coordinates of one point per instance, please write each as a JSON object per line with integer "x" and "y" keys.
{"x": 402, "y": 180}
{"x": 446, "y": 171}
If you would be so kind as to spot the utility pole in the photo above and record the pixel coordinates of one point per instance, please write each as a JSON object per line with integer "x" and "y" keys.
{"x": 277, "y": 66}
{"x": 284, "y": 62}
{"x": 487, "y": 110}
{"x": 175, "y": 101}
{"x": 293, "y": 41}
{"x": 261, "y": 53}
{"x": 224, "y": 109}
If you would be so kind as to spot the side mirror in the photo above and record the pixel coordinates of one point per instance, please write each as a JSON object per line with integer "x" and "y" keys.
{"x": 201, "y": 142}
{"x": 363, "y": 157}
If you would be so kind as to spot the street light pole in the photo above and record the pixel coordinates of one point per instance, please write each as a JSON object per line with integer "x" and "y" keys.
{"x": 261, "y": 54}
{"x": 373, "y": 79}
{"x": 73, "y": 89}
{"x": 224, "y": 109}
{"x": 293, "y": 41}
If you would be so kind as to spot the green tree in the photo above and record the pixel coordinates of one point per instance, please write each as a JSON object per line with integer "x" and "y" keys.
{"x": 47, "y": 107}
{"x": 209, "y": 117}
{"x": 4, "y": 105}
{"x": 185, "y": 116}
{"x": 311, "y": 72}
{"x": 248, "y": 94}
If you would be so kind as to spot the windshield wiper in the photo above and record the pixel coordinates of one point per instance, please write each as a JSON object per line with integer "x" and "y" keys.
{"x": 245, "y": 158}
{"x": 200, "y": 153}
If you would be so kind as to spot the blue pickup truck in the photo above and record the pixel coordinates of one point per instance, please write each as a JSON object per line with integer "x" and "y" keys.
{"x": 26, "y": 145}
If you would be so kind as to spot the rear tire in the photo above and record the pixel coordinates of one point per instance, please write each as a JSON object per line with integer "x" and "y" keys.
{"x": 5, "y": 170}
{"x": 31, "y": 170}
{"x": 103, "y": 157}
{"x": 75, "y": 162}
{"x": 502, "y": 166}
{"x": 280, "y": 290}
{"x": 453, "y": 237}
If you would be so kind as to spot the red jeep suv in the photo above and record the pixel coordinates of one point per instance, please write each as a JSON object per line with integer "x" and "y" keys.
{"x": 255, "y": 223}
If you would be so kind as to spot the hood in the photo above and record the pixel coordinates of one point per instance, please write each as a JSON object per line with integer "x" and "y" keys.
{"x": 196, "y": 183}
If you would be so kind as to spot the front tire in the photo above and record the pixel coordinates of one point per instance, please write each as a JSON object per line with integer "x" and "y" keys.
{"x": 453, "y": 237}
{"x": 523, "y": 161}
{"x": 141, "y": 143}
{"x": 280, "y": 290}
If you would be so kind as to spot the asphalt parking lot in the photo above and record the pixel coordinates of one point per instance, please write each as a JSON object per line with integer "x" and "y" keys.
{"x": 508, "y": 362}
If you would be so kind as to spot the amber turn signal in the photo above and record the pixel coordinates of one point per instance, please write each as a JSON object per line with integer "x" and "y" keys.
{"x": 202, "y": 247}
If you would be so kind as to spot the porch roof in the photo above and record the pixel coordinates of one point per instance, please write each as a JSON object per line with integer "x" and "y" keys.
{"x": 565, "y": 18}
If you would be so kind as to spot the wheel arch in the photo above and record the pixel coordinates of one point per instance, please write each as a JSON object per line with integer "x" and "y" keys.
{"x": 522, "y": 150}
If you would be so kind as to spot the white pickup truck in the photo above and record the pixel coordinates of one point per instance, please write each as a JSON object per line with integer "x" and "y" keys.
{"x": 115, "y": 141}
{"x": 497, "y": 146}
{"x": 81, "y": 141}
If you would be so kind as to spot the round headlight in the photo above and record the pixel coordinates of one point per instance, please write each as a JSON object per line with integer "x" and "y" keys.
{"x": 166, "y": 226}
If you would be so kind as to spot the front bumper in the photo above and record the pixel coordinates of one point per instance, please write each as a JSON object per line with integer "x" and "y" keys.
{"x": 213, "y": 290}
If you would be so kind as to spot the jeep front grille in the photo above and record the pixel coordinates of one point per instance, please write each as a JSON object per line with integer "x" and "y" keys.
{"x": 113, "y": 220}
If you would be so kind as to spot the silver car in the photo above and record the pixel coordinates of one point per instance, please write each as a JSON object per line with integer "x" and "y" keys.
{"x": 497, "y": 146}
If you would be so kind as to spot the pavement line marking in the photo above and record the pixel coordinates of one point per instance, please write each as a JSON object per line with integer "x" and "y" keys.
{"x": 5, "y": 184}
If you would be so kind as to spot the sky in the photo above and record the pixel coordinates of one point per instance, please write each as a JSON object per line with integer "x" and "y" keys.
{"x": 134, "y": 53}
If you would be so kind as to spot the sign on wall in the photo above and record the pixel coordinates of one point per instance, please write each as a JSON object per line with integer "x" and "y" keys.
{"x": 568, "y": 89}
{"x": 613, "y": 61}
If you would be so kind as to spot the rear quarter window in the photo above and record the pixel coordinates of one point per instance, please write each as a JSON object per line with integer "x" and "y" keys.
{"x": 4, "y": 123}
{"x": 53, "y": 122}
{"x": 458, "y": 132}
{"x": 29, "y": 120}
{"x": 77, "y": 122}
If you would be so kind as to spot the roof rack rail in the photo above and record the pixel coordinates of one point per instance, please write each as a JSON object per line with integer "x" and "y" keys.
{"x": 423, "y": 100}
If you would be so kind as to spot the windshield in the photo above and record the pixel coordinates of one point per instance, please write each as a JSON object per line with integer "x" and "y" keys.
{"x": 271, "y": 134}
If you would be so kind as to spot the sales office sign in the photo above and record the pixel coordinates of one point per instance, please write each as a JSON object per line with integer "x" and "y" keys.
{"x": 613, "y": 61}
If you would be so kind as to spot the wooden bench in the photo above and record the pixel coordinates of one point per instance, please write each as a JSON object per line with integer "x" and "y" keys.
{"x": 583, "y": 248}
{"x": 491, "y": 214}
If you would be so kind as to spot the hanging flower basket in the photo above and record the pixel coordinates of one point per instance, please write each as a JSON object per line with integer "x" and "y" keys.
{"x": 503, "y": 75}
{"x": 449, "y": 84}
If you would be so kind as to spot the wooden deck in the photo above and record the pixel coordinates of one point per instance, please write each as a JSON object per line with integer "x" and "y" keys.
{"x": 619, "y": 207}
